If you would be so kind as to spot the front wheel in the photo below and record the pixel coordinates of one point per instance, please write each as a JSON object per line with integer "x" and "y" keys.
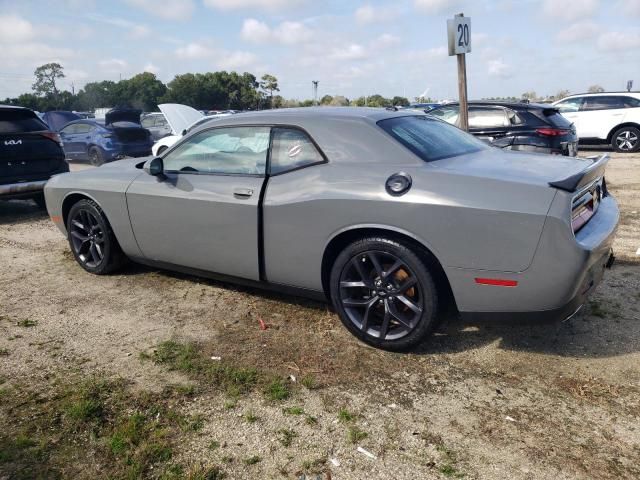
{"x": 91, "y": 239}
{"x": 384, "y": 293}
{"x": 96, "y": 157}
{"x": 626, "y": 139}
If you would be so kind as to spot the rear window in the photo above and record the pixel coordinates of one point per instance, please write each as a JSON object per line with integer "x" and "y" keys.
{"x": 431, "y": 139}
{"x": 554, "y": 117}
{"x": 16, "y": 121}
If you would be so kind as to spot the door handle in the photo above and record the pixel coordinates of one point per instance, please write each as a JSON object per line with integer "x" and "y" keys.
{"x": 242, "y": 192}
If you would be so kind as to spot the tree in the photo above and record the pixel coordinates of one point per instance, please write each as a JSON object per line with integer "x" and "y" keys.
{"x": 326, "y": 100}
{"x": 269, "y": 83}
{"x": 339, "y": 101}
{"x": 529, "y": 96}
{"x": 140, "y": 91}
{"x": 595, "y": 89}
{"x": 562, "y": 94}
{"x": 46, "y": 76}
{"x": 400, "y": 101}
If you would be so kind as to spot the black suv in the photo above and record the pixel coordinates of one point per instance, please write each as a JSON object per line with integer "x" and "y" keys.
{"x": 30, "y": 154}
{"x": 526, "y": 127}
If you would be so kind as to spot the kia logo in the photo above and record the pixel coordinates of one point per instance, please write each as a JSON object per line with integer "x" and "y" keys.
{"x": 13, "y": 142}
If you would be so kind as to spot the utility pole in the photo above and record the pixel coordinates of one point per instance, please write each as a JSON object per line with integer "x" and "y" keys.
{"x": 315, "y": 91}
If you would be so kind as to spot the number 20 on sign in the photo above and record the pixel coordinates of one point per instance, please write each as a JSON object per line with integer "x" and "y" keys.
{"x": 459, "y": 33}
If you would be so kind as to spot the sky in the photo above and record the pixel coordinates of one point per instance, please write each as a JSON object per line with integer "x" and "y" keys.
{"x": 352, "y": 48}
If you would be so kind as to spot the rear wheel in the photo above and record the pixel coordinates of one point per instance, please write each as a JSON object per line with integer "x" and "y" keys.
{"x": 384, "y": 293}
{"x": 626, "y": 139}
{"x": 96, "y": 157}
{"x": 92, "y": 241}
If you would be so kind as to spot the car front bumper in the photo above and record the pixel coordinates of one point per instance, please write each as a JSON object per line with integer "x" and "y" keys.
{"x": 565, "y": 270}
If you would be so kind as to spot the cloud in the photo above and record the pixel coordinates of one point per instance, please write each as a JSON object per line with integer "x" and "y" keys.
{"x": 353, "y": 51}
{"x": 385, "y": 40}
{"x": 113, "y": 65}
{"x": 286, "y": 33}
{"x": 629, "y": 7}
{"x": 151, "y": 68}
{"x": 167, "y": 9}
{"x": 136, "y": 30}
{"x": 369, "y": 14}
{"x": 577, "y": 32}
{"x": 236, "y": 60}
{"x": 435, "y": 7}
{"x": 195, "y": 50}
{"x": 498, "y": 68}
{"x": 15, "y": 29}
{"x": 619, "y": 41}
{"x": 270, "y": 5}
{"x": 430, "y": 54}
{"x": 570, "y": 9}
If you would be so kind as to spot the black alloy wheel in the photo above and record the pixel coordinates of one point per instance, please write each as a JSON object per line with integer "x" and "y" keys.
{"x": 92, "y": 241}
{"x": 384, "y": 294}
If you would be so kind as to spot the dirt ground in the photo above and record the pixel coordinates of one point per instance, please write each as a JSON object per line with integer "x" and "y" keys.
{"x": 488, "y": 400}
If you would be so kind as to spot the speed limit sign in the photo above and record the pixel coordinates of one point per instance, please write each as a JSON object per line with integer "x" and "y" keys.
{"x": 459, "y": 30}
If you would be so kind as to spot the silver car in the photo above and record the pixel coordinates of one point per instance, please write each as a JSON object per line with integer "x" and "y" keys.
{"x": 384, "y": 213}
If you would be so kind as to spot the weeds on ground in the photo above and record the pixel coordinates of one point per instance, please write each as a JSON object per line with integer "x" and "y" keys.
{"x": 356, "y": 435}
{"x": 345, "y": 415}
{"x": 286, "y": 436}
{"x": 26, "y": 323}
{"x": 293, "y": 411}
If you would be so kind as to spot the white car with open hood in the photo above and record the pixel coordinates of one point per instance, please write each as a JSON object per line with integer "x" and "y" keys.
{"x": 181, "y": 119}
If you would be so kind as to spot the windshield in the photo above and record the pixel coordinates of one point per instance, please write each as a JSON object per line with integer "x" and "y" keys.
{"x": 429, "y": 138}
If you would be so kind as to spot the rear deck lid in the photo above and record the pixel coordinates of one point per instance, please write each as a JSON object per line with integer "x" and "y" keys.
{"x": 122, "y": 115}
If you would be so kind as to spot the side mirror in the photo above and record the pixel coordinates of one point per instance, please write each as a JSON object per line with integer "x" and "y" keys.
{"x": 154, "y": 167}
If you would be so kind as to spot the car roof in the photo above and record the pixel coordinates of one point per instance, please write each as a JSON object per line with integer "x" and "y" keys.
{"x": 14, "y": 107}
{"x": 499, "y": 103}
{"x": 304, "y": 116}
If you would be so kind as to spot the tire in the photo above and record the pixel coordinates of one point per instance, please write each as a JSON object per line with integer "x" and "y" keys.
{"x": 39, "y": 199}
{"x": 376, "y": 280}
{"x": 626, "y": 140}
{"x": 96, "y": 158}
{"x": 162, "y": 149}
{"x": 91, "y": 239}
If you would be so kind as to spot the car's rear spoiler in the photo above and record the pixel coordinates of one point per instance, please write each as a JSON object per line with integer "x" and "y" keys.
{"x": 588, "y": 175}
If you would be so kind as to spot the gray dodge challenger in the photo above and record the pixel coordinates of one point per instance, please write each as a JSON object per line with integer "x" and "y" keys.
{"x": 383, "y": 213}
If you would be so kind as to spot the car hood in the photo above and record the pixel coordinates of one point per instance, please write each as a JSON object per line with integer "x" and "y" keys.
{"x": 532, "y": 168}
{"x": 58, "y": 119}
{"x": 180, "y": 117}
{"x": 122, "y": 115}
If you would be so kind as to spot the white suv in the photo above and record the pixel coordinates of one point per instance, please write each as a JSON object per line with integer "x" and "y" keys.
{"x": 605, "y": 118}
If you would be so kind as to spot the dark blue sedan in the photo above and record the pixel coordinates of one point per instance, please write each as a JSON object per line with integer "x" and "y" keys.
{"x": 120, "y": 136}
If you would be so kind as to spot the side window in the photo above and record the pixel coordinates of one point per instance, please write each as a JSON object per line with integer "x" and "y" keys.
{"x": 631, "y": 102}
{"x": 487, "y": 118}
{"x": 448, "y": 114}
{"x": 82, "y": 128}
{"x": 602, "y": 103}
{"x": 234, "y": 150}
{"x": 292, "y": 148}
{"x": 148, "y": 122}
{"x": 69, "y": 129}
{"x": 570, "y": 105}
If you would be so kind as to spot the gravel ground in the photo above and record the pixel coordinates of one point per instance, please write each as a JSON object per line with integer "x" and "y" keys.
{"x": 487, "y": 400}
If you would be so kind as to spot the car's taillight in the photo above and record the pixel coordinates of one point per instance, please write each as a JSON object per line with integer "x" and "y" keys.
{"x": 552, "y": 132}
{"x": 52, "y": 136}
{"x": 585, "y": 204}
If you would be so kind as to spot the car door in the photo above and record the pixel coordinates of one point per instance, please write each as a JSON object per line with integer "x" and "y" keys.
{"x": 600, "y": 114}
{"x": 69, "y": 141}
{"x": 489, "y": 123}
{"x": 570, "y": 109}
{"x": 82, "y": 138}
{"x": 202, "y": 212}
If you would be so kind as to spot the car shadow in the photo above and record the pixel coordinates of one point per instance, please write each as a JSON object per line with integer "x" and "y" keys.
{"x": 584, "y": 335}
{"x": 20, "y": 211}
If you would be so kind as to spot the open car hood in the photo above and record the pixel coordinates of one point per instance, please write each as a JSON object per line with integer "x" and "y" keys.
{"x": 180, "y": 117}
{"x": 122, "y": 115}
{"x": 58, "y": 119}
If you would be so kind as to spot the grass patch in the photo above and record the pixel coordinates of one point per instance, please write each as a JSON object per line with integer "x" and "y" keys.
{"x": 315, "y": 466}
{"x": 252, "y": 460}
{"x": 356, "y": 435}
{"x": 310, "y": 420}
{"x": 250, "y": 417}
{"x": 286, "y": 436}
{"x": 293, "y": 411}
{"x": 26, "y": 323}
{"x": 126, "y": 434}
{"x": 4, "y": 352}
{"x": 309, "y": 382}
{"x": 345, "y": 415}
{"x": 277, "y": 390}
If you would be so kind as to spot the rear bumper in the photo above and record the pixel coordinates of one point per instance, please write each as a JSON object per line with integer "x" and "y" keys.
{"x": 121, "y": 151}
{"x": 21, "y": 189}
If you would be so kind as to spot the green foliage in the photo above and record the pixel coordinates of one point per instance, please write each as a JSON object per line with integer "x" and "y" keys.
{"x": 356, "y": 435}
{"x": 45, "y": 79}
{"x": 345, "y": 415}
{"x": 277, "y": 390}
{"x": 252, "y": 460}
{"x": 286, "y": 436}
{"x": 293, "y": 411}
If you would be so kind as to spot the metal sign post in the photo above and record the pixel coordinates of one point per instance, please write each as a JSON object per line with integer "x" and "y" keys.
{"x": 459, "y": 33}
